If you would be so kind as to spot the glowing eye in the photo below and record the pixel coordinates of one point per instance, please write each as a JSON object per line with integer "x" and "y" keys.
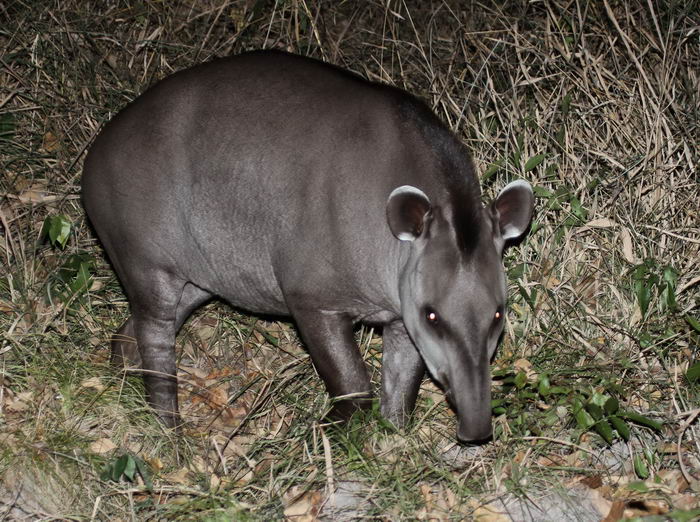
{"x": 432, "y": 317}
{"x": 498, "y": 315}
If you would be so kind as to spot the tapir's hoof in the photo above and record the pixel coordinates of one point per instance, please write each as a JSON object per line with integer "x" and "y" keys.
{"x": 125, "y": 351}
{"x": 343, "y": 409}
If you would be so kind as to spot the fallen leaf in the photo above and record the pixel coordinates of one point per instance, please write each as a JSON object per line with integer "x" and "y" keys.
{"x": 102, "y": 446}
{"x": 50, "y": 142}
{"x": 181, "y": 476}
{"x": 592, "y": 482}
{"x": 36, "y": 193}
{"x": 489, "y": 513}
{"x": 93, "y": 382}
{"x": 616, "y": 512}
{"x": 601, "y": 223}
{"x": 674, "y": 479}
{"x": 302, "y": 508}
{"x": 154, "y": 462}
{"x": 627, "y": 249}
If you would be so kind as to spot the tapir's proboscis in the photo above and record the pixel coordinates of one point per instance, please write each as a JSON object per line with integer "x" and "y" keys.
{"x": 287, "y": 186}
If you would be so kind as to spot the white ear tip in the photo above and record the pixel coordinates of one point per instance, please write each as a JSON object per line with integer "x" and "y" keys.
{"x": 517, "y": 183}
{"x": 511, "y": 232}
{"x": 407, "y": 189}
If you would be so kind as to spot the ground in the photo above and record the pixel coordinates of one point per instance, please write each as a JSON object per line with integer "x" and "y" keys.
{"x": 596, "y": 381}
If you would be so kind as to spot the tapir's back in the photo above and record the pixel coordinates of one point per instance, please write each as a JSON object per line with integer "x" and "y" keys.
{"x": 228, "y": 169}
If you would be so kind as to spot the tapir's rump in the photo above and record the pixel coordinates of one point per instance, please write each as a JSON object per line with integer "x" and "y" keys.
{"x": 288, "y": 186}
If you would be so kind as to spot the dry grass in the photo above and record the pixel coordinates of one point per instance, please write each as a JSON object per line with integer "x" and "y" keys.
{"x": 595, "y": 103}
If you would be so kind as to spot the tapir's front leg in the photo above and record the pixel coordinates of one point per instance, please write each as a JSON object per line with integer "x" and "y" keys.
{"x": 330, "y": 341}
{"x": 402, "y": 372}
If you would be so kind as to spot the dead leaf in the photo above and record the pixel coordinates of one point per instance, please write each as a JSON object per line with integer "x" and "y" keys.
{"x": 36, "y": 193}
{"x": 601, "y": 223}
{"x": 304, "y": 507}
{"x": 19, "y": 402}
{"x": 154, "y": 462}
{"x": 674, "y": 479}
{"x": 50, "y": 142}
{"x": 551, "y": 459}
{"x": 602, "y": 504}
{"x": 627, "y": 249}
{"x": 524, "y": 365}
{"x": 180, "y": 476}
{"x": 93, "y": 382}
{"x": 489, "y": 513}
{"x": 592, "y": 482}
{"x": 198, "y": 464}
{"x": 102, "y": 446}
{"x": 616, "y": 512}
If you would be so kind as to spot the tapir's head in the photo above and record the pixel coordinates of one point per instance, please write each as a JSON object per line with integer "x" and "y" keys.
{"x": 453, "y": 289}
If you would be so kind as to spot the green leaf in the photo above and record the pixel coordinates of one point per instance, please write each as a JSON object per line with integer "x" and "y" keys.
{"x": 145, "y": 472}
{"x": 611, "y": 405}
{"x": 605, "y": 430}
{"x": 692, "y": 322}
{"x": 520, "y": 380}
{"x": 693, "y": 373}
{"x": 621, "y": 427}
{"x": 670, "y": 276}
{"x": 130, "y": 468}
{"x": 643, "y": 293}
{"x": 533, "y": 162}
{"x": 541, "y": 192}
{"x": 640, "y": 468}
{"x": 543, "y": 387}
{"x": 577, "y": 209}
{"x": 565, "y": 105}
{"x": 599, "y": 398}
{"x": 59, "y": 230}
{"x": 640, "y": 419}
{"x": 641, "y": 487}
{"x": 119, "y": 467}
{"x": 583, "y": 418}
{"x": 492, "y": 169}
{"x": 595, "y": 410}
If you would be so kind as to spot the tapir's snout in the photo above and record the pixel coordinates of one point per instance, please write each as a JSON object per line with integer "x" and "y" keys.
{"x": 477, "y": 432}
{"x": 471, "y": 398}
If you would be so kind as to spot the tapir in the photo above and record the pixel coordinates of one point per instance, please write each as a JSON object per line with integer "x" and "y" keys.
{"x": 287, "y": 186}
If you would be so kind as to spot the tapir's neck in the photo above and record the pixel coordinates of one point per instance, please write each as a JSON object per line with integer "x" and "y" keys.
{"x": 396, "y": 262}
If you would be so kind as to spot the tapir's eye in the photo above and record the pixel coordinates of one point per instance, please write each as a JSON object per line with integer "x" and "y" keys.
{"x": 431, "y": 316}
{"x": 498, "y": 315}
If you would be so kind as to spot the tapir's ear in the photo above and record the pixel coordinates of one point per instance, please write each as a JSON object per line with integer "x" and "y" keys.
{"x": 405, "y": 212}
{"x": 514, "y": 206}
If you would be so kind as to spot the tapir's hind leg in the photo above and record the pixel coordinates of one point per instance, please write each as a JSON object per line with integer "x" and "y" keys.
{"x": 330, "y": 341}
{"x": 125, "y": 352}
{"x": 160, "y": 303}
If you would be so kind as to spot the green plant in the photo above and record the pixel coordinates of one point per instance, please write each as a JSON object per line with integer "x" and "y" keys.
{"x": 590, "y": 408}
{"x": 127, "y": 467}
